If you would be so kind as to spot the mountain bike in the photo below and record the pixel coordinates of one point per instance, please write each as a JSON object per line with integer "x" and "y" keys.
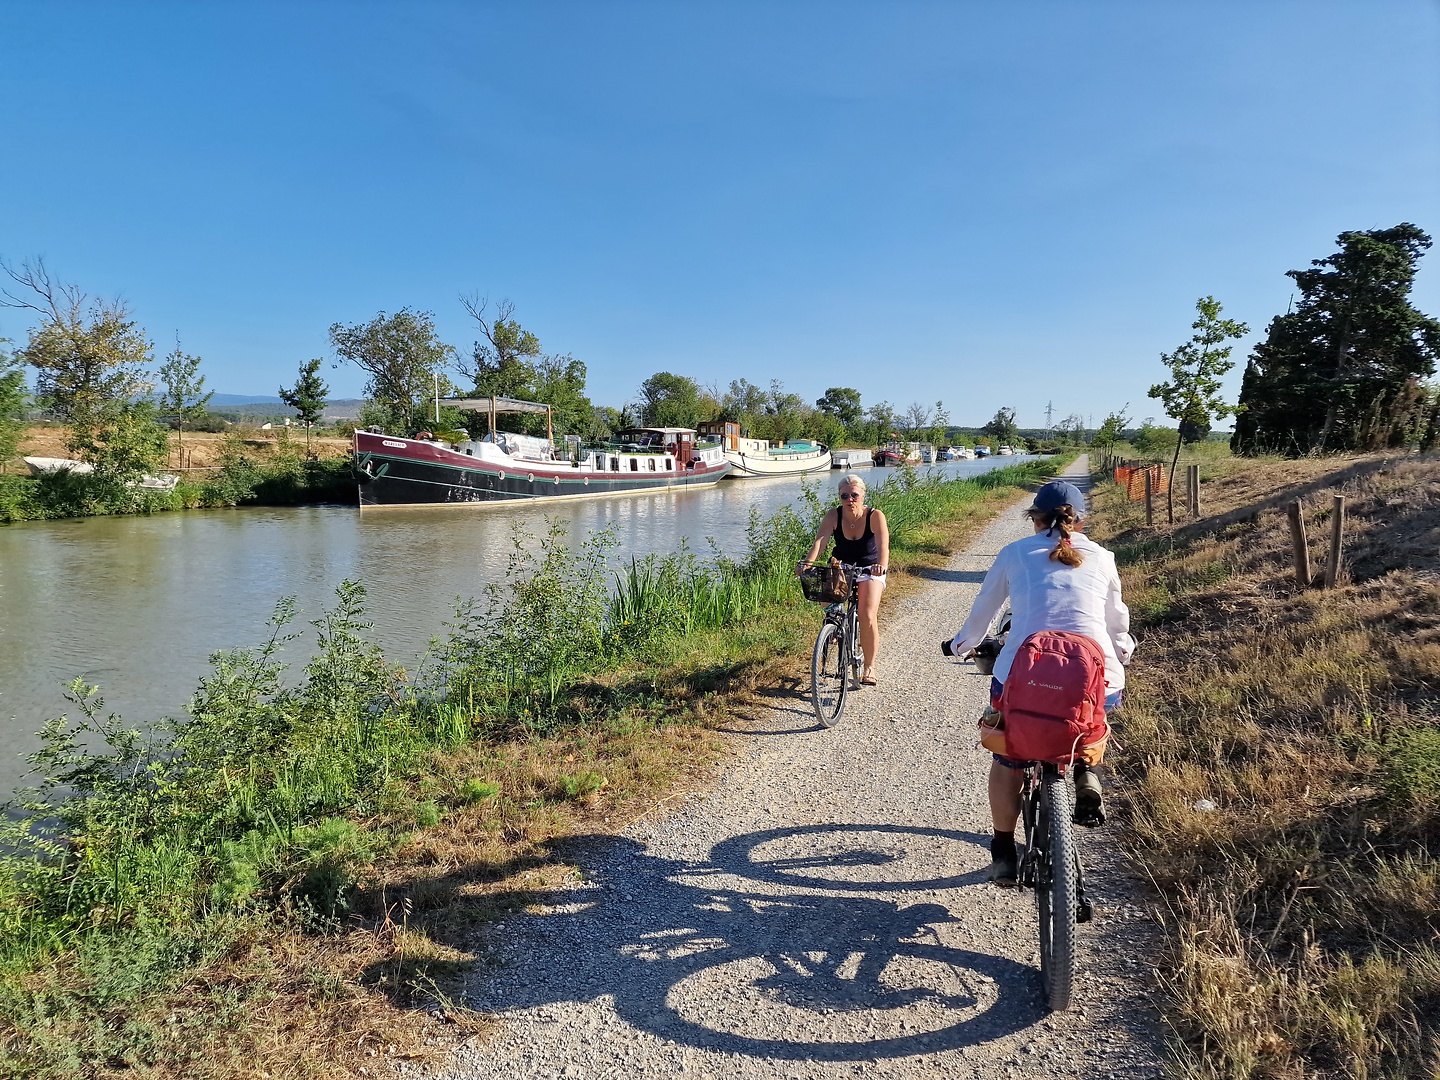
{"x": 1051, "y": 866}
{"x": 836, "y": 661}
{"x": 1051, "y": 863}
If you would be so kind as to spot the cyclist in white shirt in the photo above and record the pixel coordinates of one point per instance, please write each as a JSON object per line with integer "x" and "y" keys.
{"x": 1057, "y": 579}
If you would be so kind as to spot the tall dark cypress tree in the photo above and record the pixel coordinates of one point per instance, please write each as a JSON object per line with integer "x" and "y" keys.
{"x": 1341, "y": 371}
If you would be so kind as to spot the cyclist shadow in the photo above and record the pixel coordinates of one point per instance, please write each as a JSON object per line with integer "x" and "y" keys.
{"x": 736, "y": 954}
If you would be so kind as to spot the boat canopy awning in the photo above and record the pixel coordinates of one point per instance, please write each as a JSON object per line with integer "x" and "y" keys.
{"x": 496, "y": 405}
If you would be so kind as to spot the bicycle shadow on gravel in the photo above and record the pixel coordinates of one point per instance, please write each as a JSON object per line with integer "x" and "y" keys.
{"x": 767, "y": 948}
{"x": 787, "y": 703}
{"x": 936, "y": 573}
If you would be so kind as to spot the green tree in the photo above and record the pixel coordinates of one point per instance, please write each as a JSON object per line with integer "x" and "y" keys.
{"x": 182, "y": 395}
{"x": 559, "y": 381}
{"x": 12, "y": 402}
{"x": 669, "y": 400}
{"x": 917, "y": 416}
{"x": 130, "y": 444}
{"x": 1001, "y": 428}
{"x": 1342, "y": 369}
{"x": 884, "y": 422}
{"x": 90, "y": 358}
{"x": 785, "y": 414}
{"x": 1110, "y": 430}
{"x": 940, "y": 424}
{"x": 508, "y": 363}
{"x": 1191, "y": 395}
{"x": 307, "y": 397}
{"x": 743, "y": 402}
{"x": 843, "y": 403}
{"x": 500, "y": 364}
{"x": 1152, "y": 440}
{"x": 403, "y": 356}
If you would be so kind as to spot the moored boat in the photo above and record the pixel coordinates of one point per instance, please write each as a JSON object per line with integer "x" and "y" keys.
{"x": 760, "y": 457}
{"x": 44, "y": 466}
{"x": 890, "y": 456}
{"x": 851, "y": 459}
{"x": 504, "y": 467}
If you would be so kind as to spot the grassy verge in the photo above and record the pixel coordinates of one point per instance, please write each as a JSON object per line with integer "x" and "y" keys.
{"x": 1283, "y": 751}
{"x": 290, "y": 879}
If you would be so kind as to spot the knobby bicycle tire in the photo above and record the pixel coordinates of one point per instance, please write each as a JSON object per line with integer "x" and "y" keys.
{"x": 828, "y": 675}
{"x": 1055, "y": 894}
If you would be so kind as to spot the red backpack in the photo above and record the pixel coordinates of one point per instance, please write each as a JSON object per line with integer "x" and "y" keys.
{"x": 1054, "y": 697}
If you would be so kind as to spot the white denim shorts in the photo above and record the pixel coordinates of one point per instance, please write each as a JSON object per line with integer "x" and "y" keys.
{"x": 865, "y": 575}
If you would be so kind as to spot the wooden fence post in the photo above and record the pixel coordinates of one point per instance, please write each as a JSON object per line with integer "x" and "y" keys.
{"x": 1298, "y": 542}
{"x": 1149, "y": 499}
{"x": 1337, "y": 533}
{"x": 1195, "y": 490}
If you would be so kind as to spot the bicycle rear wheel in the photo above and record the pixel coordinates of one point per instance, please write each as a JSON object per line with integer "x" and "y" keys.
{"x": 828, "y": 682}
{"x": 1055, "y": 892}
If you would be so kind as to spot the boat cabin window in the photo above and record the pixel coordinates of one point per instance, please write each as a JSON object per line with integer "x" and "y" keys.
{"x": 614, "y": 464}
{"x": 652, "y": 464}
{"x": 669, "y": 464}
{"x": 634, "y": 464}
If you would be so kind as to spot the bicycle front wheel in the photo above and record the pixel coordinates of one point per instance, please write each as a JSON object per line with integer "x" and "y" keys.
{"x": 1055, "y": 893}
{"x": 828, "y": 682}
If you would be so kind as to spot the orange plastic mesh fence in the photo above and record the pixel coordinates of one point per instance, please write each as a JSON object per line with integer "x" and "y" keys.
{"x": 1132, "y": 479}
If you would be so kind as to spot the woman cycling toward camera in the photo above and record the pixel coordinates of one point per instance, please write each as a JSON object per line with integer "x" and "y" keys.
{"x": 862, "y": 538}
{"x": 1057, "y": 579}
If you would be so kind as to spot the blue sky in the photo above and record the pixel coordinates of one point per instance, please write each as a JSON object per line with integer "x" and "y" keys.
{"x": 990, "y": 204}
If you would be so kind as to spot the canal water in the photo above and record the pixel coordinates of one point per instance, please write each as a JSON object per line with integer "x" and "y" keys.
{"x": 136, "y": 605}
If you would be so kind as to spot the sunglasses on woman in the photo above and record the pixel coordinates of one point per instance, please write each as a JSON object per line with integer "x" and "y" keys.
{"x": 847, "y": 496}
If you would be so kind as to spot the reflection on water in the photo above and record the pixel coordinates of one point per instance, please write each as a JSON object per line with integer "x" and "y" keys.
{"x": 138, "y": 604}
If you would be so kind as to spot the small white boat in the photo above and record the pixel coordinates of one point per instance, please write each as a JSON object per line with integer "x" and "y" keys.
{"x": 44, "y": 466}
{"x": 163, "y": 482}
{"x": 48, "y": 466}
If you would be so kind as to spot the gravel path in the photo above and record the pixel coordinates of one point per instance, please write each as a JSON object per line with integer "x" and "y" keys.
{"x": 824, "y": 912}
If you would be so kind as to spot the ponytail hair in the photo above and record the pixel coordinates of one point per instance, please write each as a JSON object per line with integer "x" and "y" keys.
{"x": 1062, "y": 519}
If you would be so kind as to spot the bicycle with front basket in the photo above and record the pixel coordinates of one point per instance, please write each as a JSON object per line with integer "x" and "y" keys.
{"x": 836, "y": 661}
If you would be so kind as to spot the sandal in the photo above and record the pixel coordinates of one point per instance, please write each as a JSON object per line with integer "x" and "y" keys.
{"x": 868, "y": 679}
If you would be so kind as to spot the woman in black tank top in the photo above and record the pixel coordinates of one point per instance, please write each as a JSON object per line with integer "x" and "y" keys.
{"x": 862, "y": 538}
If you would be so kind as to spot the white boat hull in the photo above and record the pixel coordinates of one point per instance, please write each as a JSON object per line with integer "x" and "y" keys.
{"x": 776, "y": 464}
{"x": 44, "y": 466}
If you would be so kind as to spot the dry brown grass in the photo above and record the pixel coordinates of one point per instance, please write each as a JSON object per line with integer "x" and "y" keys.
{"x": 1302, "y": 909}
{"x": 202, "y": 449}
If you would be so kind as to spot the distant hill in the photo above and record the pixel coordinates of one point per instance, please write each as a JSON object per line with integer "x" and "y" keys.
{"x": 221, "y": 400}
{"x": 273, "y": 407}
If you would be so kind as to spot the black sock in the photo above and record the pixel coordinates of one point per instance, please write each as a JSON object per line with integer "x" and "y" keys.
{"x": 1002, "y": 843}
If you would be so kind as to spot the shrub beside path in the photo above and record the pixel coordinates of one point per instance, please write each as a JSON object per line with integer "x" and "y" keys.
{"x": 824, "y": 910}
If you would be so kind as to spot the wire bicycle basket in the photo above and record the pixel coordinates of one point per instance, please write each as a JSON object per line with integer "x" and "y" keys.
{"x": 825, "y": 585}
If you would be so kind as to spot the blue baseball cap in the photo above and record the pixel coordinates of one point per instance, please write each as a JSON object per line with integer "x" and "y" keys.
{"x": 1056, "y": 494}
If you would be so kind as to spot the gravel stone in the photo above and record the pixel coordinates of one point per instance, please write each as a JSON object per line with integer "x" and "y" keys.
{"x": 824, "y": 911}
